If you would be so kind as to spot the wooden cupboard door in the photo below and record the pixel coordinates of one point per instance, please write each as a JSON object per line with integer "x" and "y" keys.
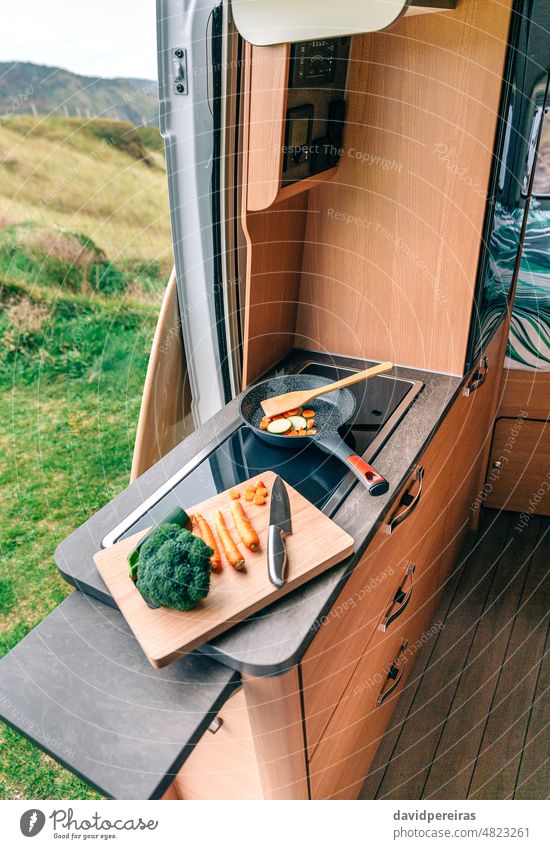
{"x": 348, "y": 745}
{"x": 518, "y": 476}
{"x": 470, "y": 427}
{"x": 223, "y": 764}
{"x": 377, "y": 579}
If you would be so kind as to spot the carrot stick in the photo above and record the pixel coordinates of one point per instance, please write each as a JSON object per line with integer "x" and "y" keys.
{"x": 246, "y": 531}
{"x": 205, "y": 533}
{"x": 234, "y": 556}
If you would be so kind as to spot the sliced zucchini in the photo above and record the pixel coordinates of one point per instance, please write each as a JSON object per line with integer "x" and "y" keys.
{"x": 279, "y": 426}
{"x": 297, "y": 422}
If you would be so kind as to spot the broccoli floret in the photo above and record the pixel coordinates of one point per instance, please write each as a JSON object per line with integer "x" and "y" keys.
{"x": 174, "y": 568}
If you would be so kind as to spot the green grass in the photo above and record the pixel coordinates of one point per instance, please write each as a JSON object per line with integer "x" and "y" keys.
{"x": 102, "y": 178}
{"x": 76, "y": 324}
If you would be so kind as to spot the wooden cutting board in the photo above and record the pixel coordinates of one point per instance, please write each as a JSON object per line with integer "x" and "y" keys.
{"x": 316, "y": 543}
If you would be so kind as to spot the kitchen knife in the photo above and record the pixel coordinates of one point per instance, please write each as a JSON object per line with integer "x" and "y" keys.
{"x": 280, "y": 525}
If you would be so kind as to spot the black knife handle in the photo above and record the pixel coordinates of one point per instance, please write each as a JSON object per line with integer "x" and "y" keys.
{"x": 276, "y": 556}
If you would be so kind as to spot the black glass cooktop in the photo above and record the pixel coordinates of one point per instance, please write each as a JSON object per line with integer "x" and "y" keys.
{"x": 321, "y": 478}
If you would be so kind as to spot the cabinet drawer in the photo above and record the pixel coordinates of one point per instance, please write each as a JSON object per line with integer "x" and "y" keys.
{"x": 417, "y": 524}
{"x": 347, "y": 747}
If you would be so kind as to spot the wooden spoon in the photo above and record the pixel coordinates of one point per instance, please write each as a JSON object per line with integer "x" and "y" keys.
{"x": 301, "y": 398}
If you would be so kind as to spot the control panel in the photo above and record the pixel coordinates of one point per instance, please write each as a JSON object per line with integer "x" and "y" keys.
{"x": 316, "y": 107}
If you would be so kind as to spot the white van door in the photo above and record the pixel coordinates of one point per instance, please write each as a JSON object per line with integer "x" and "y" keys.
{"x": 189, "y": 37}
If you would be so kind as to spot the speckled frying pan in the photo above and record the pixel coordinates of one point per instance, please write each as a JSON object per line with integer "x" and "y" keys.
{"x": 331, "y": 412}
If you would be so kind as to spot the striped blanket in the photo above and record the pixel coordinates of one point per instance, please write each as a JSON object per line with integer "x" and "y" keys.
{"x": 529, "y": 340}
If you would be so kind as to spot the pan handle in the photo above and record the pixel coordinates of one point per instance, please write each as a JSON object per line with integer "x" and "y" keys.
{"x": 369, "y": 477}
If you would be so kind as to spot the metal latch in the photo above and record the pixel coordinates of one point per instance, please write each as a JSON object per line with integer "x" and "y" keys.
{"x": 215, "y": 725}
{"x": 179, "y": 70}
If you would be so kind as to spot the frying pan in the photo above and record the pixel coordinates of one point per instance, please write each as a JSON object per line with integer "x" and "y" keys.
{"x": 331, "y": 412}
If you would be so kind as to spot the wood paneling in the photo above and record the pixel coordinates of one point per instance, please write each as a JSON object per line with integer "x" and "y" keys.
{"x": 274, "y": 260}
{"x": 165, "y": 414}
{"x": 521, "y": 442}
{"x": 266, "y": 91}
{"x": 222, "y": 765}
{"x": 525, "y": 393}
{"x": 274, "y": 237}
{"x": 265, "y": 101}
{"x": 275, "y": 713}
{"x": 392, "y": 242}
{"x": 523, "y": 481}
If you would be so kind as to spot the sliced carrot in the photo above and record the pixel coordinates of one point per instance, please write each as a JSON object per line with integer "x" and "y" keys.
{"x": 234, "y": 493}
{"x": 263, "y": 425}
{"x": 249, "y": 496}
{"x": 246, "y": 532}
{"x": 290, "y": 413}
{"x": 259, "y": 499}
{"x": 261, "y": 485}
{"x": 262, "y": 492}
{"x": 234, "y": 556}
{"x": 205, "y": 533}
{"x": 308, "y": 414}
{"x": 312, "y": 432}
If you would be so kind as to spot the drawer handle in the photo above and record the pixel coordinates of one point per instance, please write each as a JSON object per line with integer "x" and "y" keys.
{"x": 395, "y": 674}
{"x": 409, "y": 503}
{"x": 400, "y": 598}
{"x": 479, "y": 377}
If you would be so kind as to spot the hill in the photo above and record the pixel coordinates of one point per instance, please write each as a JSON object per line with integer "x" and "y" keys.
{"x": 103, "y": 179}
{"x": 38, "y": 89}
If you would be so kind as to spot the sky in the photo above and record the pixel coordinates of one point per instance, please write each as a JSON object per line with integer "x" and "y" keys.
{"x": 103, "y": 38}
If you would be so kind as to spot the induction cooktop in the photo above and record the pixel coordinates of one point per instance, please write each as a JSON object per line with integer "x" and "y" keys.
{"x": 238, "y": 454}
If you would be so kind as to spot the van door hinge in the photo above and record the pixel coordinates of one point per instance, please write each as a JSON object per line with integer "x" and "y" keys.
{"x": 179, "y": 69}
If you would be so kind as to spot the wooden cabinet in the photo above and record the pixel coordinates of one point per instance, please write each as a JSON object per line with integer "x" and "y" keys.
{"x": 432, "y": 515}
{"x": 380, "y": 585}
{"x": 518, "y": 475}
{"x": 343, "y": 757}
{"x": 223, "y": 764}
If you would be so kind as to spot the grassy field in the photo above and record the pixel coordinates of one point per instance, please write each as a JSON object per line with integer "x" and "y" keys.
{"x": 81, "y": 279}
{"x": 101, "y": 178}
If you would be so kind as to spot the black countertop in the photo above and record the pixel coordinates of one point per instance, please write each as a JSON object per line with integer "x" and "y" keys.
{"x": 80, "y": 687}
{"x": 274, "y": 639}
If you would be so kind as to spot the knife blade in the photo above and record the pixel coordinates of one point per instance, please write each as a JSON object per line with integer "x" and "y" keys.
{"x": 280, "y": 524}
